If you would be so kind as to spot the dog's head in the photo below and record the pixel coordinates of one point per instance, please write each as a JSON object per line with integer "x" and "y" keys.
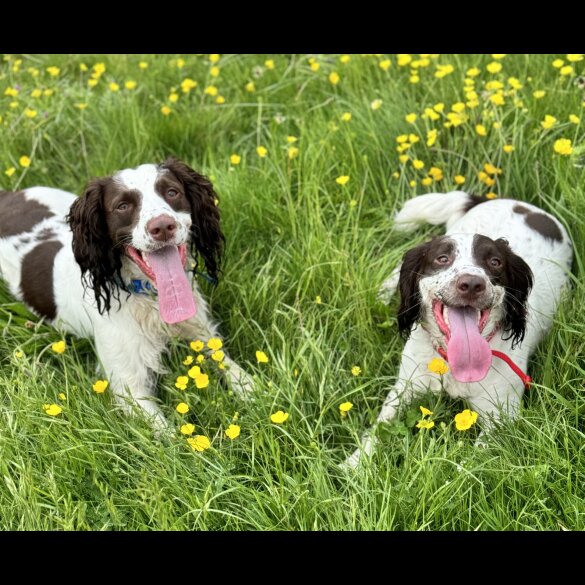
{"x": 140, "y": 223}
{"x": 463, "y": 288}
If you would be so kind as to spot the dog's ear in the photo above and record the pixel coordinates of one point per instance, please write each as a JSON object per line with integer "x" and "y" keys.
{"x": 92, "y": 245}
{"x": 207, "y": 238}
{"x": 410, "y": 274}
{"x": 518, "y": 284}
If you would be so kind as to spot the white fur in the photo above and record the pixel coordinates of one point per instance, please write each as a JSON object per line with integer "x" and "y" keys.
{"x": 501, "y": 391}
{"x": 130, "y": 339}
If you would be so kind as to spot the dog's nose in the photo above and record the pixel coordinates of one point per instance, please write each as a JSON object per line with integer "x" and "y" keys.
{"x": 470, "y": 286}
{"x": 161, "y": 228}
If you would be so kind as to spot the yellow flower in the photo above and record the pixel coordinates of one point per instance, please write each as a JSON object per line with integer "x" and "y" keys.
{"x": 220, "y": 100}
{"x": 425, "y": 182}
{"x": 214, "y": 57}
{"x": 62, "y": 396}
{"x": 403, "y": 158}
{"x": 11, "y": 92}
{"x": 211, "y": 90}
{"x": 18, "y": 354}
{"x": 10, "y": 171}
{"x": 458, "y": 107}
{"x": 432, "y": 137}
{"x": 181, "y": 382}
{"x": 188, "y": 360}
{"x": 558, "y": 63}
{"x": 376, "y": 104}
{"x": 498, "y": 57}
{"x": 232, "y": 432}
{"x": 473, "y": 72}
{"x": 385, "y": 64}
{"x": 318, "y": 299}
{"x": 165, "y": 110}
{"x": 187, "y": 429}
{"x": 425, "y": 424}
{"x": 36, "y": 93}
{"x": 459, "y": 179}
{"x": 59, "y": 346}
{"x": 261, "y": 357}
{"x": 82, "y": 67}
{"x": 182, "y": 408}
{"x": 418, "y": 164}
{"x": 200, "y": 358}
{"x": 425, "y": 411}
{"x": 279, "y": 417}
{"x": 438, "y": 366}
{"x": 334, "y": 77}
{"x": 130, "y": 84}
{"x": 465, "y": 420}
{"x": 92, "y": 82}
{"x": 315, "y": 66}
{"x": 342, "y": 180}
{"x": 491, "y": 196}
{"x": 538, "y": 94}
{"x": 114, "y": 86}
{"x": 194, "y": 372}
{"x": 356, "y": 371}
{"x": 262, "y": 152}
{"x": 414, "y": 79}
{"x": 143, "y": 65}
{"x": 218, "y": 356}
{"x": 52, "y": 409}
{"x": 443, "y": 70}
{"x": 567, "y": 70}
{"x": 411, "y": 118}
{"x": 188, "y": 84}
{"x": 202, "y": 380}
{"x": 24, "y": 161}
{"x": 53, "y": 71}
{"x": 199, "y": 345}
{"x": 269, "y": 64}
{"x": 199, "y": 443}
{"x": 494, "y": 67}
{"x": 574, "y": 119}
{"x": 214, "y": 343}
{"x": 497, "y": 125}
{"x": 563, "y": 146}
{"x": 480, "y": 129}
{"x": 293, "y": 152}
{"x": 214, "y": 71}
{"x": 344, "y": 59}
{"x": 250, "y": 87}
{"x": 436, "y": 173}
{"x": 173, "y": 97}
{"x": 235, "y": 159}
{"x": 413, "y": 183}
{"x": 403, "y": 59}
{"x": 574, "y": 58}
{"x": 514, "y": 83}
{"x": 29, "y": 113}
{"x": 344, "y": 408}
{"x": 180, "y": 63}
{"x": 508, "y": 148}
{"x": 430, "y": 114}
{"x": 100, "y": 386}
{"x": 490, "y": 169}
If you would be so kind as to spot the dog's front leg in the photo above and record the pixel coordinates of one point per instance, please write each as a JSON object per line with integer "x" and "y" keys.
{"x": 129, "y": 361}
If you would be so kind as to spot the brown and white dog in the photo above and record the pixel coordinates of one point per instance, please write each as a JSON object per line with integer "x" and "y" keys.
{"x": 112, "y": 265}
{"x": 482, "y": 296}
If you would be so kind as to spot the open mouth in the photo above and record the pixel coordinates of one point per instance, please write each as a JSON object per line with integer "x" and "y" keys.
{"x": 165, "y": 267}
{"x": 468, "y": 352}
{"x": 141, "y": 259}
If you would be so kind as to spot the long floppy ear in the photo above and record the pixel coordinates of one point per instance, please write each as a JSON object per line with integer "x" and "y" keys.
{"x": 207, "y": 238}
{"x": 519, "y": 284}
{"x": 92, "y": 245}
{"x": 410, "y": 274}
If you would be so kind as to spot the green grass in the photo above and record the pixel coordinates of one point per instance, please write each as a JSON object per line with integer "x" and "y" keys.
{"x": 292, "y": 233}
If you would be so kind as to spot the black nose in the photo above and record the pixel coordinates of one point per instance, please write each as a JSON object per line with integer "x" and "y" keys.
{"x": 470, "y": 286}
{"x": 161, "y": 228}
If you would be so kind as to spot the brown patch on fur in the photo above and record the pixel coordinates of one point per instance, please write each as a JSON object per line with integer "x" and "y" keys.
{"x": 36, "y": 281}
{"x": 520, "y": 209}
{"x": 474, "y": 201}
{"x": 18, "y": 214}
{"x": 45, "y": 234}
{"x": 544, "y": 225}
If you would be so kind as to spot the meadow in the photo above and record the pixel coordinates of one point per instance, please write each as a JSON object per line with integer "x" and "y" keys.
{"x": 311, "y": 155}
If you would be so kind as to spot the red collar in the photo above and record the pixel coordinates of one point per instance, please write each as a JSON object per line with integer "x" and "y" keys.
{"x": 526, "y": 380}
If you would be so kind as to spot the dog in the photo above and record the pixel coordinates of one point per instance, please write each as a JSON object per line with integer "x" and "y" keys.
{"x": 481, "y": 297}
{"x": 111, "y": 265}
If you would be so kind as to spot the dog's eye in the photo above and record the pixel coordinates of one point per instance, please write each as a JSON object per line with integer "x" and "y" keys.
{"x": 495, "y": 262}
{"x": 442, "y": 259}
{"x": 172, "y": 193}
{"x": 123, "y": 206}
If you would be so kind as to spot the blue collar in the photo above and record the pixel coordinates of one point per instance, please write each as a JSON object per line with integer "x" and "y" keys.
{"x": 141, "y": 287}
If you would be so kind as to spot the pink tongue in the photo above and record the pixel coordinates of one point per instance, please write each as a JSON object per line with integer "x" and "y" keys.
{"x": 175, "y": 297}
{"x": 468, "y": 353}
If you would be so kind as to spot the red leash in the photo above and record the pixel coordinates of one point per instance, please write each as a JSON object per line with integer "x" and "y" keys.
{"x": 526, "y": 380}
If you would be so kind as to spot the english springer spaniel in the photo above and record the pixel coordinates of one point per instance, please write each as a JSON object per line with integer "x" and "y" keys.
{"x": 481, "y": 297}
{"x": 112, "y": 265}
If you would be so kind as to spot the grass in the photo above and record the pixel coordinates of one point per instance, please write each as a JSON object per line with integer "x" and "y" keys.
{"x": 292, "y": 234}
